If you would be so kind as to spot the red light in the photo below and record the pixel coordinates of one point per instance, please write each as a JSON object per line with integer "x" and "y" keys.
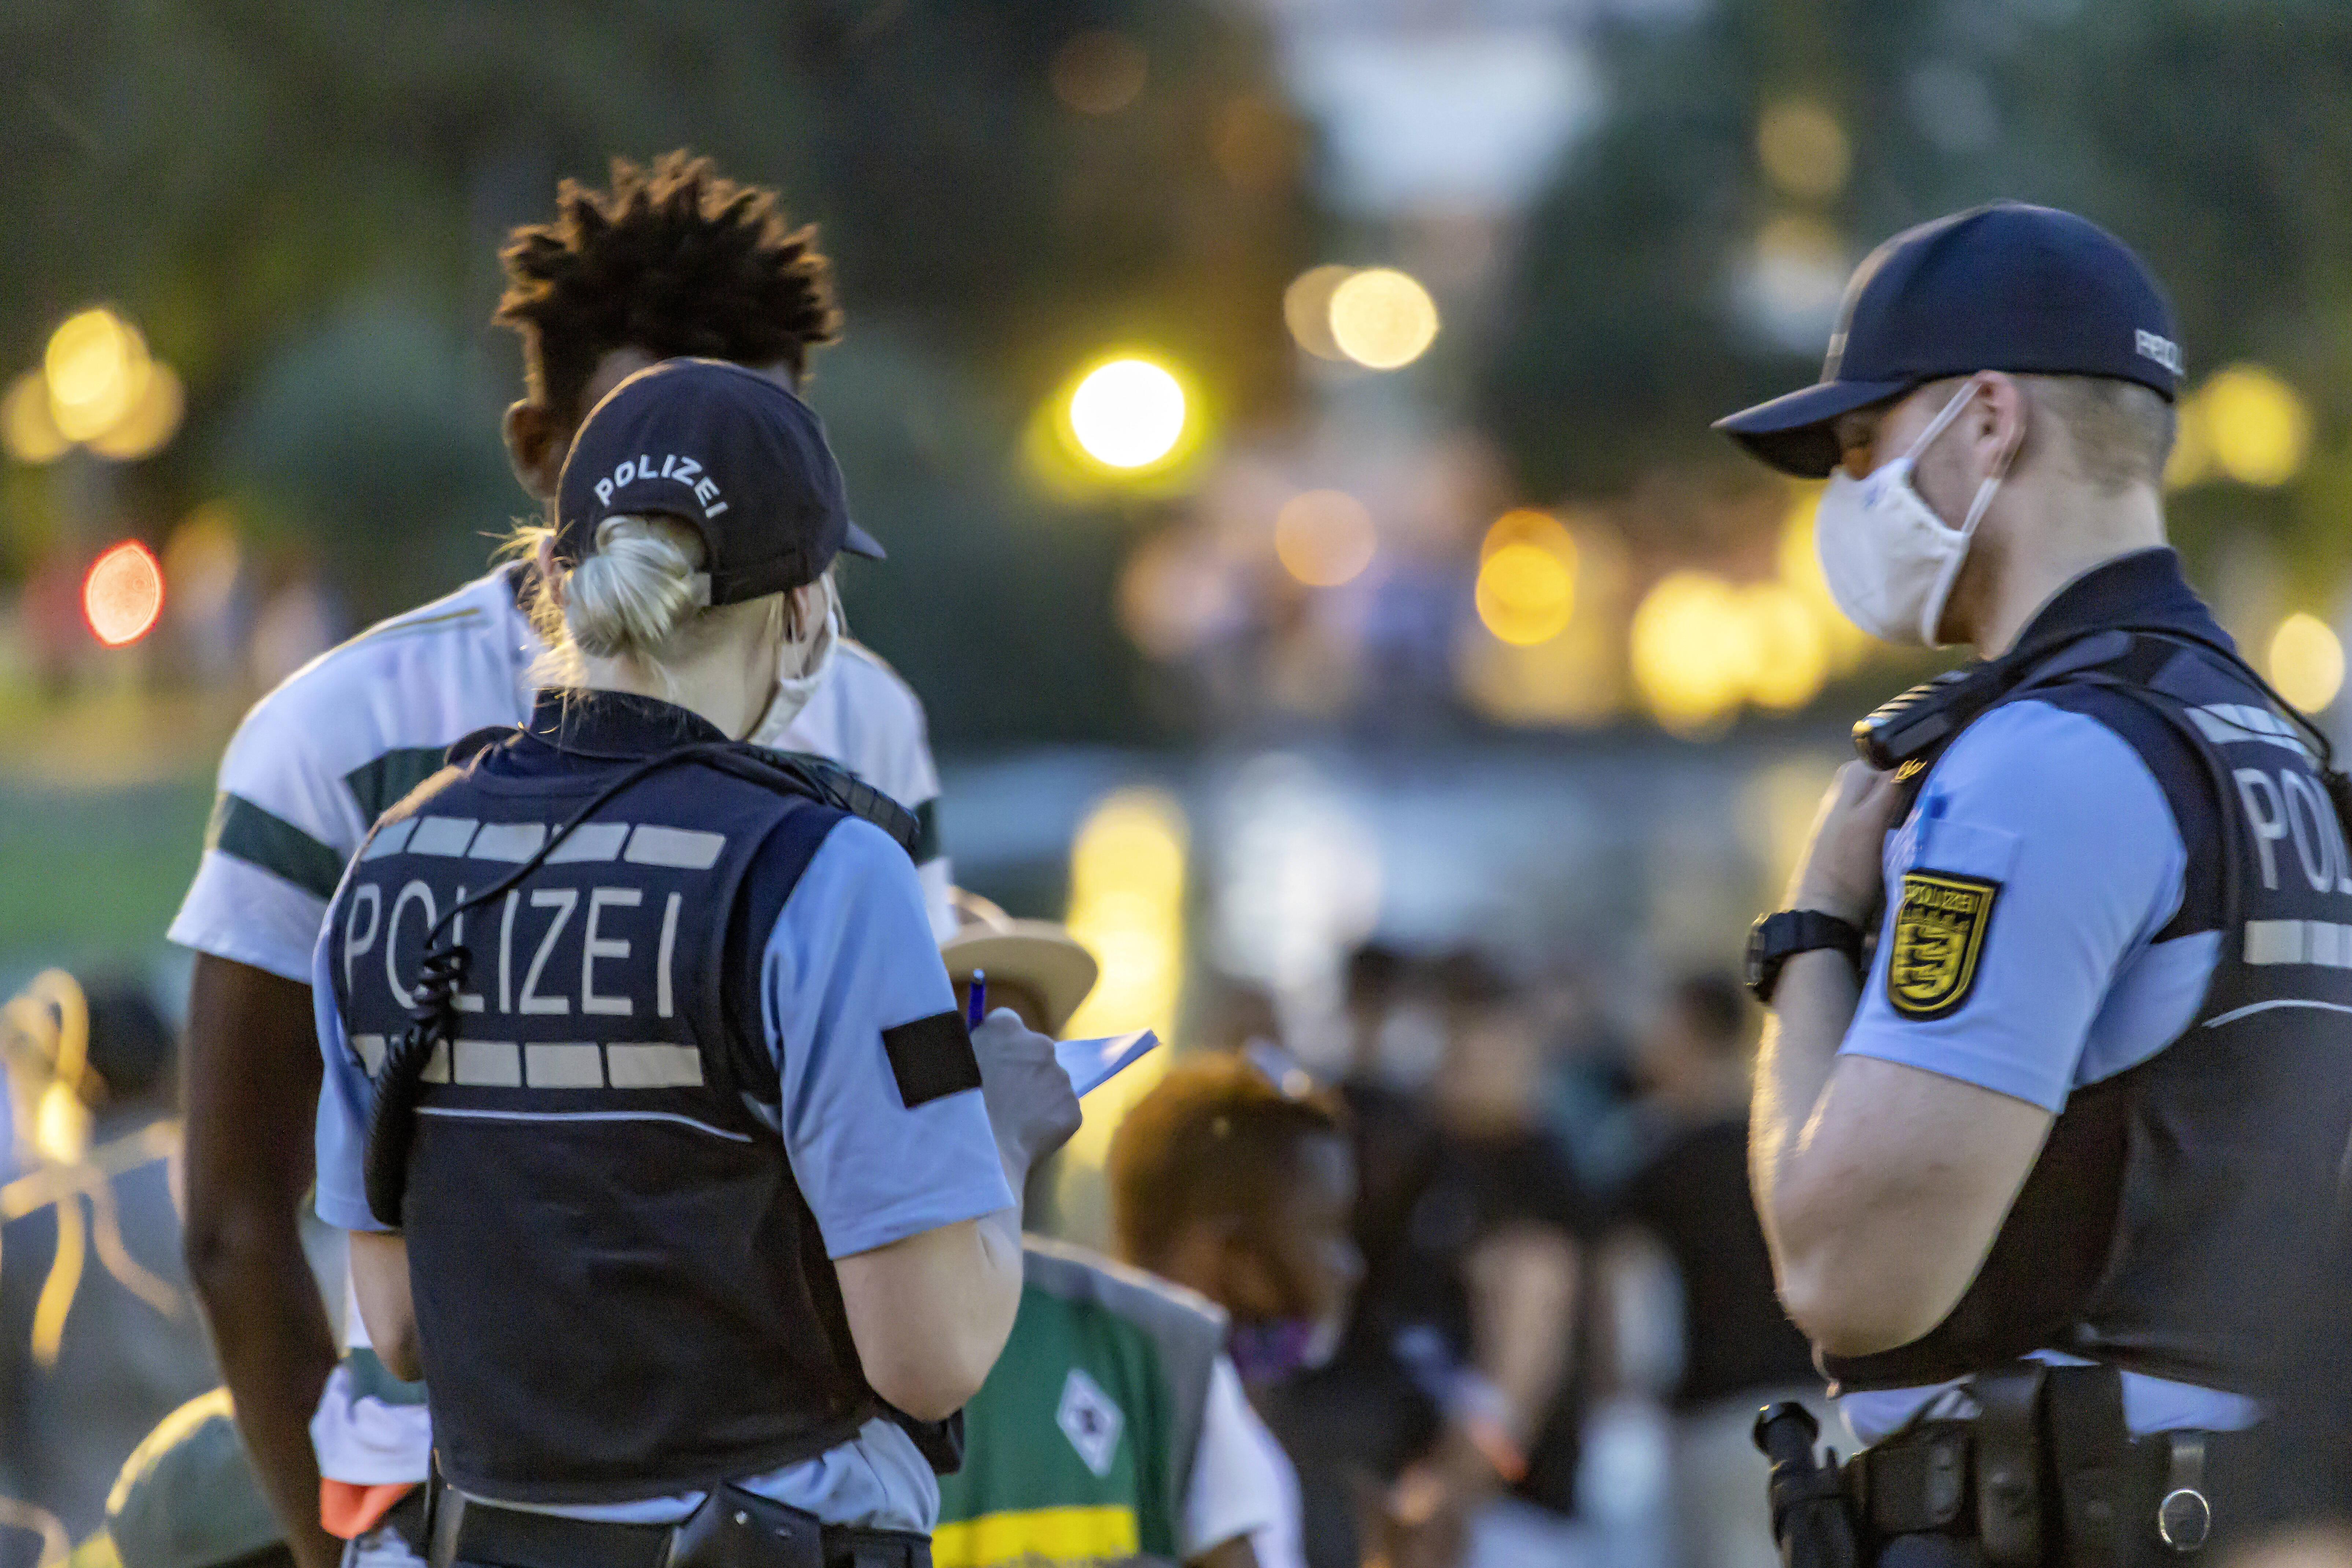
{"x": 123, "y": 594}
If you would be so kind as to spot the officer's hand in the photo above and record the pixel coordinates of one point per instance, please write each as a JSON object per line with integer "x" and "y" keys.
{"x": 1031, "y": 1105}
{"x": 1840, "y": 872}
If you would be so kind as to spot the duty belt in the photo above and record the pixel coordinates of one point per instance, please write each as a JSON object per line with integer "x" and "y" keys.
{"x": 733, "y": 1528}
{"x": 2046, "y": 1473}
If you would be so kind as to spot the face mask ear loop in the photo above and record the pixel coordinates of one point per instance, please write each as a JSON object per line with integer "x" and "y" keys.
{"x": 1931, "y": 613}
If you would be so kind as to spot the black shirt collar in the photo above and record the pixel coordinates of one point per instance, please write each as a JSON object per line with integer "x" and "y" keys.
{"x": 615, "y": 726}
{"x": 2144, "y": 588}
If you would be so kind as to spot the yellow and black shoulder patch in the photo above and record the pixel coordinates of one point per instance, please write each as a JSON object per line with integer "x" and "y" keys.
{"x": 1939, "y": 933}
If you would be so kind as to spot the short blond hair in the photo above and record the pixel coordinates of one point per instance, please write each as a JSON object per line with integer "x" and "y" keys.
{"x": 2118, "y": 433}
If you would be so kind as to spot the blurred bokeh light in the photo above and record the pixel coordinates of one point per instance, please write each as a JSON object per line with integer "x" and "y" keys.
{"x": 1127, "y": 413}
{"x": 1382, "y": 318}
{"x": 97, "y": 369}
{"x": 123, "y": 594}
{"x": 27, "y": 430}
{"x": 1525, "y": 592}
{"x": 1693, "y": 650}
{"x": 1307, "y": 309}
{"x": 1803, "y": 149}
{"x": 148, "y": 424}
{"x": 1128, "y": 905}
{"x": 1323, "y": 538}
{"x": 2306, "y": 661}
{"x": 1792, "y": 650}
{"x": 1099, "y": 71}
{"x": 201, "y": 562}
{"x": 2255, "y": 426}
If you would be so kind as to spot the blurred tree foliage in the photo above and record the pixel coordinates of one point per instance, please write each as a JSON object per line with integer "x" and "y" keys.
{"x": 302, "y": 204}
{"x": 2214, "y": 136}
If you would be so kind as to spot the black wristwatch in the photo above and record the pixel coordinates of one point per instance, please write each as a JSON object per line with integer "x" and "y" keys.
{"x": 1779, "y": 937}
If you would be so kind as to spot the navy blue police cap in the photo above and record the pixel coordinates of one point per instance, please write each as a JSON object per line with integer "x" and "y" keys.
{"x": 727, "y": 451}
{"x": 2004, "y": 287}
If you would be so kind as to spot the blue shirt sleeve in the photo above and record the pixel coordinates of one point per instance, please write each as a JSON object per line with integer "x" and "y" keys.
{"x": 851, "y": 955}
{"x": 344, "y": 1098}
{"x": 2059, "y": 815}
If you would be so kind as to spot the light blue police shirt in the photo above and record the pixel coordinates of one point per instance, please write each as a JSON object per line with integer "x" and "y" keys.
{"x": 2071, "y": 986}
{"x": 852, "y": 954}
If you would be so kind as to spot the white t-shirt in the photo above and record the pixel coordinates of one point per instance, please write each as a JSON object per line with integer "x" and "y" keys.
{"x": 340, "y": 740}
{"x": 1242, "y": 1481}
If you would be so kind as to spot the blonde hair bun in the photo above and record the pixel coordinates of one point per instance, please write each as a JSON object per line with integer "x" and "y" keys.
{"x": 637, "y": 590}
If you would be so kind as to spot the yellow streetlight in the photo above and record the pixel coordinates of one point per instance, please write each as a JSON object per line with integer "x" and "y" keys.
{"x": 1382, "y": 318}
{"x": 1127, "y": 413}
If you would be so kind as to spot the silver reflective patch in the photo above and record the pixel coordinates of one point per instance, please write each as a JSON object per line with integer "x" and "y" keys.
{"x": 510, "y": 841}
{"x": 688, "y": 848}
{"x": 590, "y": 841}
{"x": 491, "y": 1064}
{"x": 653, "y": 1067}
{"x": 391, "y": 839}
{"x": 563, "y": 1067}
{"x": 442, "y": 834}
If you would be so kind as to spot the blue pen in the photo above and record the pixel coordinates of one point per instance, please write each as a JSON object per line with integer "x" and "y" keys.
{"x": 977, "y": 1008}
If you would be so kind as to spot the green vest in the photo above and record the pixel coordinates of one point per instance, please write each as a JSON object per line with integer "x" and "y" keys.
{"x": 1078, "y": 1447}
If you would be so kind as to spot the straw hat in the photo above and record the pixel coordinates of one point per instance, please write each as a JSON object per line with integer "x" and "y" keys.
{"x": 1037, "y": 954}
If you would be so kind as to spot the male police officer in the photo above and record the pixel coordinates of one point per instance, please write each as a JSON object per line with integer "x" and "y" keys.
{"x": 2067, "y": 1134}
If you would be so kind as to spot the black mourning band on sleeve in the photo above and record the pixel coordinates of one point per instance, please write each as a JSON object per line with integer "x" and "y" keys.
{"x": 931, "y": 1057}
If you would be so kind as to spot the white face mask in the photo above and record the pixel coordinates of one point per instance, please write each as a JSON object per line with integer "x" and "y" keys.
{"x": 803, "y": 666}
{"x": 1890, "y": 561}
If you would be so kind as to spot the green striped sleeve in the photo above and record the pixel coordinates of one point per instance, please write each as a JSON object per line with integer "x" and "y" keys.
{"x": 245, "y": 831}
{"x": 381, "y": 784}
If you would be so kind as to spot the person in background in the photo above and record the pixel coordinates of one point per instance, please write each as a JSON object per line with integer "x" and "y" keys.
{"x": 1694, "y": 1221}
{"x": 671, "y": 260}
{"x": 1447, "y": 1388}
{"x": 1114, "y": 1424}
{"x": 1226, "y": 1185}
{"x": 187, "y": 1497}
{"x": 99, "y": 1335}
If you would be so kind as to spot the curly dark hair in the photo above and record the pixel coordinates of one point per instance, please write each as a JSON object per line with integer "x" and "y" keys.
{"x": 1214, "y": 1138}
{"x": 675, "y": 259}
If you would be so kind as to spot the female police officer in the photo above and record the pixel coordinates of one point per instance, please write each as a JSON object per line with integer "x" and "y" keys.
{"x": 648, "y": 1104}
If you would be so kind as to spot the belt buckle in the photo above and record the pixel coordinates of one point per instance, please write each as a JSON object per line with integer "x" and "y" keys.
{"x": 2184, "y": 1519}
{"x": 2184, "y": 1516}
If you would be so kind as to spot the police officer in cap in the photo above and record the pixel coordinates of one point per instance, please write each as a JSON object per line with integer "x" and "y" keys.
{"x": 666, "y": 1153}
{"x": 2060, "y": 1070}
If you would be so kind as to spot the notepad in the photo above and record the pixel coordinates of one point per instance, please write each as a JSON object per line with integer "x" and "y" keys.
{"x": 1093, "y": 1063}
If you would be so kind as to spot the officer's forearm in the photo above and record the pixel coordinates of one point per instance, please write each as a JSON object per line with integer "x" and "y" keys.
{"x": 1813, "y": 1007}
{"x": 930, "y": 1313}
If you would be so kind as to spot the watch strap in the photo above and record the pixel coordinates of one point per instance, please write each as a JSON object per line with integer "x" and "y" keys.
{"x": 1783, "y": 934}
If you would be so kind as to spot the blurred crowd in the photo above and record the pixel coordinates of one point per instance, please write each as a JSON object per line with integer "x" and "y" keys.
{"x": 1517, "y": 1309}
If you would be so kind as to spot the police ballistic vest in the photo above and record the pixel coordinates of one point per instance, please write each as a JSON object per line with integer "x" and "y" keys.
{"x": 2175, "y": 1209}
{"x": 620, "y": 1292}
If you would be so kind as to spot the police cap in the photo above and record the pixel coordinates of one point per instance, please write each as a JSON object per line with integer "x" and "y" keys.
{"x": 2004, "y": 287}
{"x": 727, "y": 451}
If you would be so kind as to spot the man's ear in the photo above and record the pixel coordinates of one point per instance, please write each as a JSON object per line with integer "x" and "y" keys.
{"x": 532, "y": 445}
{"x": 2006, "y": 412}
